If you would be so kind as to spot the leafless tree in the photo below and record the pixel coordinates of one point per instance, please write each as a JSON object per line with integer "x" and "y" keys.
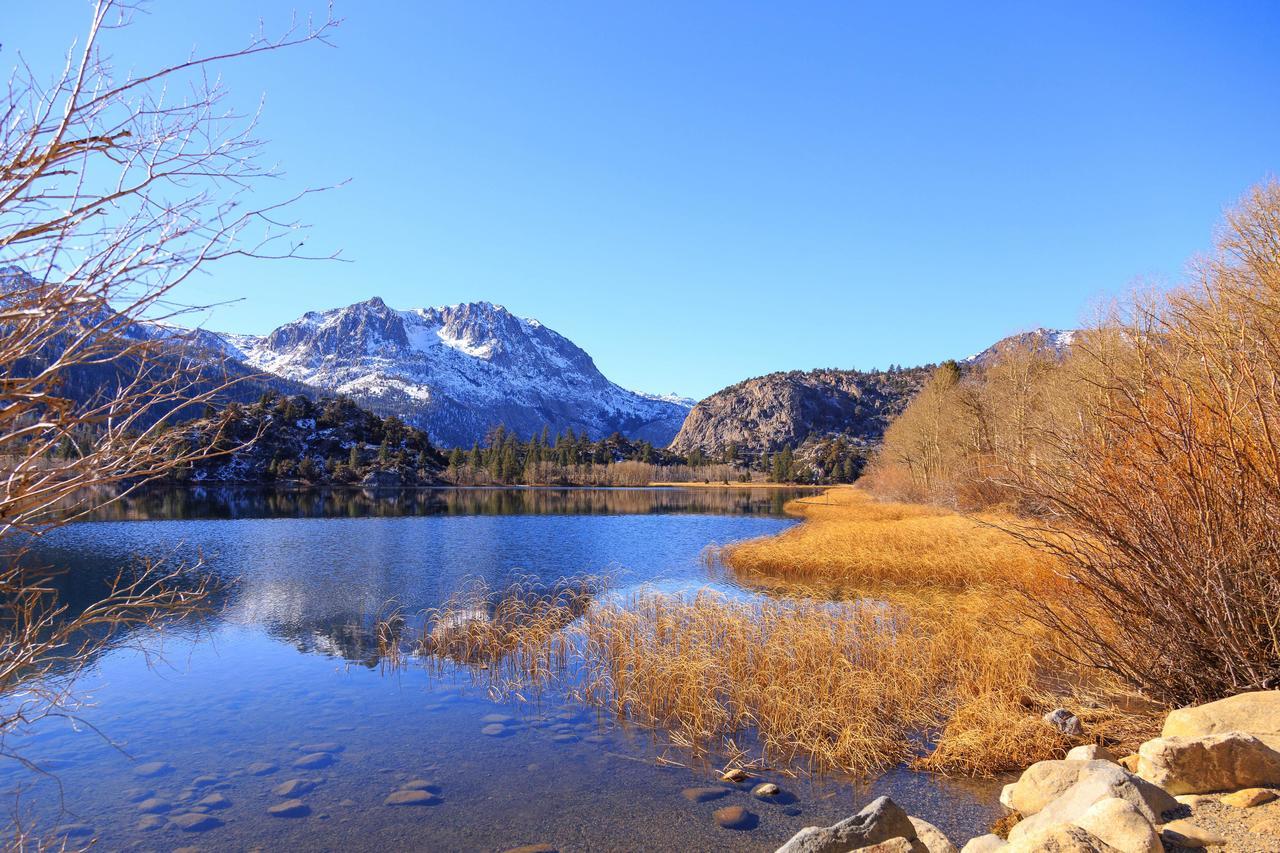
{"x": 114, "y": 190}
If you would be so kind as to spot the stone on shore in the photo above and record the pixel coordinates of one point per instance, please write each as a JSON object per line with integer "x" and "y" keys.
{"x": 1101, "y": 783}
{"x": 1045, "y": 781}
{"x": 931, "y": 837}
{"x": 1247, "y": 798}
{"x": 1091, "y": 752}
{"x": 1256, "y": 713}
{"x": 1061, "y": 838}
{"x": 881, "y": 820}
{"x": 1120, "y": 824}
{"x": 1064, "y": 721}
{"x": 985, "y": 844}
{"x": 1217, "y": 762}
{"x": 1184, "y": 833}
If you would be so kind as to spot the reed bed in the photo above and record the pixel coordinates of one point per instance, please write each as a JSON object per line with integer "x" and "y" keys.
{"x": 897, "y": 640}
{"x": 850, "y": 538}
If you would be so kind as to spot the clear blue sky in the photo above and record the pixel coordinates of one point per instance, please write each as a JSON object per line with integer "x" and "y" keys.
{"x": 701, "y": 192}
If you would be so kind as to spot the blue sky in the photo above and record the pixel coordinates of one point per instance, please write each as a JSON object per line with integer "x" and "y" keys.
{"x": 700, "y": 192}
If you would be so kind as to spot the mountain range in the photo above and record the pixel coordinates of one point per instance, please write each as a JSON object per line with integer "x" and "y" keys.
{"x": 456, "y": 372}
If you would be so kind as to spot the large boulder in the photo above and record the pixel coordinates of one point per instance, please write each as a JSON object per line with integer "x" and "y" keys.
{"x": 1119, "y": 823}
{"x": 931, "y": 837}
{"x": 1107, "y": 782}
{"x": 1091, "y": 752}
{"x": 1045, "y": 781}
{"x": 881, "y": 820}
{"x": 1062, "y": 838}
{"x": 1256, "y": 713}
{"x": 1218, "y": 762}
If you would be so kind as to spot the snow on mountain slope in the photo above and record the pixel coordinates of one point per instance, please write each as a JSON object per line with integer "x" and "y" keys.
{"x": 458, "y": 370}
{"x": 1055, "y": 340}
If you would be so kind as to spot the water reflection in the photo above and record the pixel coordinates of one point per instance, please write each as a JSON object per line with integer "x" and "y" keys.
{"x": 205, "y": 502}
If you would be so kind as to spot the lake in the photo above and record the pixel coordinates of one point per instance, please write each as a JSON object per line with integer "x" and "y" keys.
{"x": 214, "y": 725}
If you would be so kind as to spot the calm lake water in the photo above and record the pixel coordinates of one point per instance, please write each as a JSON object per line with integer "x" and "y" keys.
{"x": 286, "y": 669}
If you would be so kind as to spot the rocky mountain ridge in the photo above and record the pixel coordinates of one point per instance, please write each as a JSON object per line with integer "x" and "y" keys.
{"x": 457, "y": 371}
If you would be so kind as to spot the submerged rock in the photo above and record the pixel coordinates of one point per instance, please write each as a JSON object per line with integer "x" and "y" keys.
{"x": 154, "y": 805}
{"x": 289, "y": 808}
{"x": 420, "y": 785}
{"x": 262, "y": 768}
{"x": 151, "y": 822}
{"x": 314, "y": 761}
{"x": 152, "y": 769}
{"x": 734, "y": 817}
{"x": 195, "y": 822}
{"x": 703, "y": 795}
{"x": 326, "y": 746}
{"x": 294, "y": 787}
{"x": 494, "y": 730}
{"x": 411, "y": 798}
{"x": 214, "y": 801}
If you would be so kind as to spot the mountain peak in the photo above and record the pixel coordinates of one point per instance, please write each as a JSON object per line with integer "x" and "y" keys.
{"x": 458, "y": 370}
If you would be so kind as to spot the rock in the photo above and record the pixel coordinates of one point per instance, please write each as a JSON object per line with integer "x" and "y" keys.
{"x": 1247, "y": 798}
{"x": 154, "y": 805}
{"x": 214, "y": 801}
{"x": 881, "y": 820}
{"x": 1064, "y": 721}
{"x": 204, "y": 781}
{"x": 73, "y": 830}
{"x": 411, "y": 798}
{"x": 1108, "y": 781}
{"x": 1256, "y": 713}
{"x": 1184, "y": 833}
{"x": 261, "y": 768}
{"x": 734, "y": 817}
{"x": 931, "y": 837}
{"x": 496, "y": 718}
{"x": 289, "y": 808}
{"x": 1120, "y": 824}
{"x": 985, "y": 844}
{"x": 1061, "y": 838}
{"x": 151, "y": 822}
{"x": 703, "y": 795}
{"x": 294, "y": 787}
{"x": 1194, "y": 800}
{"x": 533, "y": 848}
{"x": 1220, "y": 762}
{"x": 1129, "y": 762}
{"x": 194, "y": 822}
{"x": 567, "y": 737}
{"x": 895, "y": 845}
{"x": 735, "y": 775}
{"x": 420, "y": 785}
{"x": 137, "y": 795}
{"x": 326, "y": 746}
{"x": 1006, "y": 795}
{"x": 494, "y": 730}
{"x": 1091, "y": 752}
{"x": 314, "y": 761}
{"x": 1044, "y": 781}
{"x": 766, "y": 789}
{"x": 152, "y": 769}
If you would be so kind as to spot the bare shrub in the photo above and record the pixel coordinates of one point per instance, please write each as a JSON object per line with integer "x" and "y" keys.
{"x": 113, "y": 191}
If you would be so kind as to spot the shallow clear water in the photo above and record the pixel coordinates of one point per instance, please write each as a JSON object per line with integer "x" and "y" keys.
{"x": 286, "y": 669}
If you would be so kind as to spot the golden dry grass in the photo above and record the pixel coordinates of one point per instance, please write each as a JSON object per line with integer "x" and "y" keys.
{"x": 849, "y": 538}
{"x": 921, "y": 657}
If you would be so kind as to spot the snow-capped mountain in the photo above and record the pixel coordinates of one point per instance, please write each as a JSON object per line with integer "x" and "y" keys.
{"x": 457, "y": 371}
{"x": 1057, "y": 341}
